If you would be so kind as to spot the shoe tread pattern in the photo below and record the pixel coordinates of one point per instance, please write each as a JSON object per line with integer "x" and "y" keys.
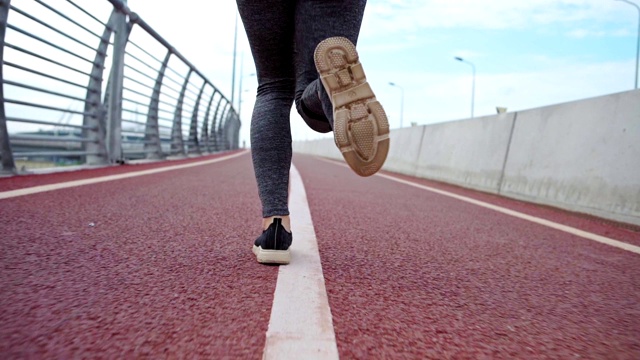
{"x": 361, "y": 127}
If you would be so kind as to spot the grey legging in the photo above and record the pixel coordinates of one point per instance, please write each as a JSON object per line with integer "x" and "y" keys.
{"x": 283, "y": 35}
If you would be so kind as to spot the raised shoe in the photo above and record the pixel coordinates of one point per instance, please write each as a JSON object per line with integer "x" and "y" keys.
{"x": 361, "y": 128}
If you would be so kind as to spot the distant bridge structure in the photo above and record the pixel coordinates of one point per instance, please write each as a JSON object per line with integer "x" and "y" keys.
{"x": 90, "y": 80}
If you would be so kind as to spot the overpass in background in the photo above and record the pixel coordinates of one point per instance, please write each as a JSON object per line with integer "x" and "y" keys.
{"x": 123, "y": 91}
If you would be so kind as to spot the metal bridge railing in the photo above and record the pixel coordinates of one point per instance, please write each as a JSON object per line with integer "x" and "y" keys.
{"x": 88, "y": 81}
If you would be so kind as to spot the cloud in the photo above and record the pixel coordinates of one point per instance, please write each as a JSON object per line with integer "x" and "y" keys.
{"x": 590, "y": 33}
{"x": 414, "y": 15}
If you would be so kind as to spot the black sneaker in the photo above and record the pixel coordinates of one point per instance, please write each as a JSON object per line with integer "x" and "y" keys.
{"x": 272, "y": 247}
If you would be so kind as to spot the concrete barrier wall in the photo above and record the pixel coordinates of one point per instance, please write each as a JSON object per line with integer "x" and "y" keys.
{"x": 581, "y": 156}
{"x": 323, "y": 147}
{"x": 469, "y": 153}
{"x": 405, "y": 152}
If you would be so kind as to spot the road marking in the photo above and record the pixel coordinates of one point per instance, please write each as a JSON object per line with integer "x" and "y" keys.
{"x": 301, "y": 326}
{"x": 69, "y": 184}
{"x": 568, "y": 229}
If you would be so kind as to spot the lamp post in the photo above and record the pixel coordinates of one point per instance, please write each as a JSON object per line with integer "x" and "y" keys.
{"x": 638, "y": 46}
{"x": 401, "y": 101}
{"x": 233, "y": 71}
{"x": 473, "y": 82}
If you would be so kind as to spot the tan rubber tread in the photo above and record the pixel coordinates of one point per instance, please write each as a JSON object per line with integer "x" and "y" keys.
{"x": 360, "y": 125}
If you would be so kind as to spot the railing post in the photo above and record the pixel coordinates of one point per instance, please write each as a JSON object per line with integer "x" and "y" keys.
{"x": 227, "y": 118}
{"x": 94, "y": 108}
{"x": 223, "y": 128}
{"x": 235, "y": 133}
{"x": 116, "y": 81}
{"x": 228, "y": 131}
{"x": 8, "y": 164}
{"x": 223, "y": 116}
{"x": 194, "y": 144}
{"x": 212, "y": 135}
{"x": 205, "y": 124}
{"x": 177, "y": 142}
{"x": 152, "y": 143}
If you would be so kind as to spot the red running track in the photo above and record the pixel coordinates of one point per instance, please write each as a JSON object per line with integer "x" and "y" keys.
{"x": 414, "y": 274}
{"x": 167, "y": 271}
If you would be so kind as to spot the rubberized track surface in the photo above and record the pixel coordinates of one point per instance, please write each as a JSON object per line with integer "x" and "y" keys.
{"x": 166, "y": 271}
{"x": 412, "y": 274}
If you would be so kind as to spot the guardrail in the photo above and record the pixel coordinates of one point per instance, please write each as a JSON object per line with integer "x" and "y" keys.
{"x": 57, "y": 107}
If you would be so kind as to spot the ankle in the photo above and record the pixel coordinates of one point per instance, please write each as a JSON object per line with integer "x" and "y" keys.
{"x": 286, "y": 222}
{"x": 311, "y": 102}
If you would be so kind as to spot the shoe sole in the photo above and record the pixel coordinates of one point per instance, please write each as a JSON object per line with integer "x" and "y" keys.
{"x": 282, "y": 257}
{"x": 360, "y": 125}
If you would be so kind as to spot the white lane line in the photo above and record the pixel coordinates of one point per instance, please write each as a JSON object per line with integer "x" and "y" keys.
{"x": 568, "y": 229}
{"x": 69, "y": 184}
{"x": 301, "y": 326}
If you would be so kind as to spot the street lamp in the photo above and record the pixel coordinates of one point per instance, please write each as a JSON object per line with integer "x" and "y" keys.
{"x": 473, "y": 82}
{"x": 233, "y": 71}
{"x": 401, "y": 101}
{"x": 638, "y": 46}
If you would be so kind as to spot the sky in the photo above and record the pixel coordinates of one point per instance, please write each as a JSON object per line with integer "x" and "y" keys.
{"x": 527, "y": 54}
